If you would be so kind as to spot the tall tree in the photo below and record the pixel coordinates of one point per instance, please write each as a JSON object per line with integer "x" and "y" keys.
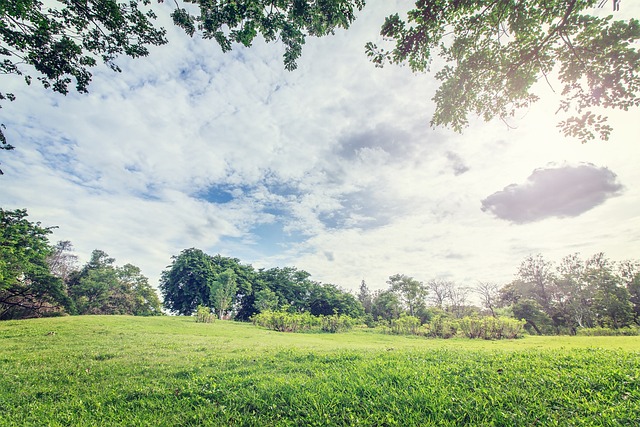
{"x": 411, "y": 291}
{"x": 27, "y": 286}
{"x": 488, "y": 292}
{"x": 223, "y": 292}
{"x": 439, "y": 291}
{"x": 493, "y": 52}
{"x": 186, "y": 283}
{"x": 365, "y": 297}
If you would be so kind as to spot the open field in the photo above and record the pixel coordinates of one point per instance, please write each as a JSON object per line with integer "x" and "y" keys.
{"x": 171, "y": 371}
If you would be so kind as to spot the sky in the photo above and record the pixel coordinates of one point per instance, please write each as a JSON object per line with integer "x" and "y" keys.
{"x": 332, "y": 168}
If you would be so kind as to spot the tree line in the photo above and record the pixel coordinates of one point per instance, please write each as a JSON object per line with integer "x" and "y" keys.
{"x": 38, "y": 278}
{"x": 553, "y": 298}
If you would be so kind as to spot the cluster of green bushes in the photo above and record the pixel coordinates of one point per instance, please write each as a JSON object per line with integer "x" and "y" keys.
{"x": 602, "y": 332}
{"x": 284, "y": 321}
{"x": 204, "y": 314}
{"x": 489, "y": 328}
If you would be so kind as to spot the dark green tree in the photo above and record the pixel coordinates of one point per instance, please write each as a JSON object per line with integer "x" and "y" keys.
{"x": 101, "y": 287}
{"x": 27, "y": 286}
{"x": 493, "y": 52}
{"x": 386, "y": 306}
{"x": 186, "y": 283}
{"x": 531, "y": 311}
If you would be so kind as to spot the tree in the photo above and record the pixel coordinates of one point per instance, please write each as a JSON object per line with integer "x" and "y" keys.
{"x": 186, "y": 283}
{"x": 537, "y": 274}
{"x": 101, "y": 287}
{"x": 223, "y": 292}
{"x": 386, "y": 306}
{"x": 495, "y": 51}
{"x": 439, "y": 291}
{"x": 27, "y": 286}
{"x": 285, "y": 20}
{"x": 411, "y": 291}
{"x": 365, "y": 298}
{"x": 488, "y": 292}
{"x": 60, "y": 41}
{"x": 62, "y": 261}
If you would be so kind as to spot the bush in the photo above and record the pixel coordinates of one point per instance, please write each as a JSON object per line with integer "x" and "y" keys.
{"x": 441, "y": 327}
{"x": 204, "y": 314}
{"x": 405, "y": 325}
{"x": 602, "y": 332}
{"x": 491, "y": 328}
{"x": 283, "y": 321}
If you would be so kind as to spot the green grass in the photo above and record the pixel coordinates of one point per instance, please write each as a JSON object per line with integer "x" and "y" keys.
{"x": 170, "y": 371}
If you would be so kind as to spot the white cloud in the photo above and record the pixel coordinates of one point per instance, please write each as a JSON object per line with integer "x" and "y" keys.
{"x": 332, "y": 168}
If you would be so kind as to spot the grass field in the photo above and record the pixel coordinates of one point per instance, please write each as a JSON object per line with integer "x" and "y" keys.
{"x": 171, "y": 371}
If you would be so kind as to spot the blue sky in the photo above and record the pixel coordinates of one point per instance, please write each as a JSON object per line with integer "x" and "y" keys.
{"x": 332, "y": 168}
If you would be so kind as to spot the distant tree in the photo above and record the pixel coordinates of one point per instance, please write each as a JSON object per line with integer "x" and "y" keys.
{"x": 530, "y": 310}
{"x": 101, "y": 287}
{"x": 186, "y": 283}
{"x": 223, "y": 292}
{"x": 611, "y": 301}
{"x": 494, "y": 52}
{"x": 266, "y": 300}
{"x": 386, "y": 305}
{"x": 536, "y": 274}
{"x": 27, "y": 286}
{"x": 630, "y": 275}
{"x": 439, "y": 291}
{"x": 488, "y": 292}
{"x": 62, "y": 261}
{"x": 459, "y": 298}
{"x": 141, "y": 297}
{"x": 328, "y": 299}
{"x": 412, "y": 292}
{"x": 365, "y": 297}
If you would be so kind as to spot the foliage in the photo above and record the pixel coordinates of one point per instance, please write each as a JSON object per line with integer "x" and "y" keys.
{"x": 223, "y": 292}
{"x": 491, "y": 328}
{"x": 441, "y": 326}
{"x": 60, "y": 41}
{"x": 290, "y": 22}
{"x": 204, "y": 314}
{"x": 573, "y": 294}
{"x": 608, "y": 332}
{"x": 101, "y": 287}
{"x": 186, "y": 284}
{"x": 283, "y": 321}
{"x": 171, "y": 371}
{"x": 494, "y": 52}
{"x": 405, "y": 325}
{"x": 27, "y": 286}
{"x": 411, "y": 291}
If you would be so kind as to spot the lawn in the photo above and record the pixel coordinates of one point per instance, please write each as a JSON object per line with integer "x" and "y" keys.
{"x": 171, "y": 371}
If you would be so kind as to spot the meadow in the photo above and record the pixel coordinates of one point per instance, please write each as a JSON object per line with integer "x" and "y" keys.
{"x": 172, "y": 371}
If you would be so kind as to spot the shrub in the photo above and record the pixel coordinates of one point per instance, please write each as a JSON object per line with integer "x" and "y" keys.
{"x": 283, "y": 321}
{"x": 204, "y": 314}
{"x": 405, "y": 325}
{"x": 491, "y": 328}
{"x": 601, "y": 332}
{"x": 441, "y": 327}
